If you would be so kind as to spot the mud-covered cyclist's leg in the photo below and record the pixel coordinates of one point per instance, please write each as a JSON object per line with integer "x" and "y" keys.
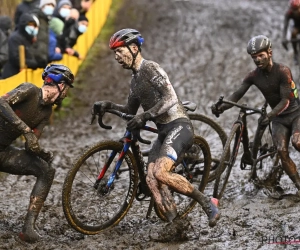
{"x": 281, "y": 136}
{"x": 160, "y": 192}
{"x": 178, "y": 140}
{"x": 19, "y": 162}
{"x": 296, "y": 145}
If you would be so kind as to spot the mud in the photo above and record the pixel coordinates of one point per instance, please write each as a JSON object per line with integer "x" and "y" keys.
{"x": 201, "y": 44}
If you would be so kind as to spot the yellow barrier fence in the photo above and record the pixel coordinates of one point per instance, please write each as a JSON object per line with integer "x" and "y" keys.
{"x": 97, "y": 16}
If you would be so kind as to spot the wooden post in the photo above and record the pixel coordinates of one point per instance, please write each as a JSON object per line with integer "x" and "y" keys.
{"x": 22, "y": 59}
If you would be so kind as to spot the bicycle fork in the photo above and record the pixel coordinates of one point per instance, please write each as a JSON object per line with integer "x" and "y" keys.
{"x": 103, "y": 188}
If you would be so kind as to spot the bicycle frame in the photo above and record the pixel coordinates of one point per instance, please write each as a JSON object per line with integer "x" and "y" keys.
{"x": 128, "y": 142}
{"x": 243, "y": 135}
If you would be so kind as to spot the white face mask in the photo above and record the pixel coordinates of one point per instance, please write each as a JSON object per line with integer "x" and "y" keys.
{"x": 82, "y": 28}
{"x": 48, "y": 10}
{"x": 31, "y": 30}
{"x": 64, "y": 12}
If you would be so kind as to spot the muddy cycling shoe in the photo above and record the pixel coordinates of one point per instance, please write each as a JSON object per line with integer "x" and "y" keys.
{"x": 213, "y": 212}
{"x": 173, "y": 231}
{"x": 30, "y": 235}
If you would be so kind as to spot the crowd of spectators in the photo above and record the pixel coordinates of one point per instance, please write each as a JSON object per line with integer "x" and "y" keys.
{"x": 46, "y": 28}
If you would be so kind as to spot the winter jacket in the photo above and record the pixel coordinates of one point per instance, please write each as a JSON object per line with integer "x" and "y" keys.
{"x": 17, "y": 38}
{"x": 42, "y": 43}
{"x": 53, "y": 56}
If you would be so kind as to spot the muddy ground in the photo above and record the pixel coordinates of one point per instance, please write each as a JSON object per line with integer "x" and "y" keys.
{"x": 202, "y": 46}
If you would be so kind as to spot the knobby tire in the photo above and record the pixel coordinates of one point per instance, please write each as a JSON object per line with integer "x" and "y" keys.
{"x": 87, "y": 209}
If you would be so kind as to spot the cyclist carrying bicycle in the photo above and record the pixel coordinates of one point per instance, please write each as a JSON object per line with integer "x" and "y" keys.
{"x": 276, "y": 83}
{"x": 25, "y": 111}
{"x": 292, "y": 14}
{"x": 150, "y": 88}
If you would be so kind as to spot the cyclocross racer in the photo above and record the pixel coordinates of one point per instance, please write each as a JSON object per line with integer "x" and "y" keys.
{"x": 276, "y": 83}
{"x": 150, "y": 88}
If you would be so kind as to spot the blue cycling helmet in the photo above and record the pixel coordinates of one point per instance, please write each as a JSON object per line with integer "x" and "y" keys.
{"x": 58, "y": 73}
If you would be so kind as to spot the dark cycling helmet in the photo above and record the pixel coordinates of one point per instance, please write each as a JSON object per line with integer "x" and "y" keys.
{"x": 58, "y": 73}
{"x": 258, "y": 44}
{"x": 125, "y": 37}
{"x": 294, "y": 4}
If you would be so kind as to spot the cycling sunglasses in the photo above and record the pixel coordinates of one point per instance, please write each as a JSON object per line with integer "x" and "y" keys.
{"x": 56, "y": 78}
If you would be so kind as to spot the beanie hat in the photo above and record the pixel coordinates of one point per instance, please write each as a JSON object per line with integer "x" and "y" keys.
{"x": 56, "y": 25}
{"x": 64, "y": 2}
{"x": 44, "y": 2}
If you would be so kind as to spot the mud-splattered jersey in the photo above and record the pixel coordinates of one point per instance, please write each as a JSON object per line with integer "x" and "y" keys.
{"x": 27, "y": 103}
{"x": 151, "y": 88}
{"x": 277, "y": 86}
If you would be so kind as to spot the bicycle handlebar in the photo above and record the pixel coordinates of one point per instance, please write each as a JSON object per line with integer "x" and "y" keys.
{"x": 136, "y": 133}
{"x": 243, "y": 106}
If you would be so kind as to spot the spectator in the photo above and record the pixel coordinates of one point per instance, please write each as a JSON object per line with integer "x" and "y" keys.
{"x": 44, "y": 14}
{"x": 71, "y": 34}
{"x": 63, "y": 10}
{"x": 25, "y": 7}
{"x": 6, "y": 25}
{"x": 56, "y": 27}
{"x": 5, "y": 28}
{"x": 24, "y": 35}
{"x": 85, "y": 5}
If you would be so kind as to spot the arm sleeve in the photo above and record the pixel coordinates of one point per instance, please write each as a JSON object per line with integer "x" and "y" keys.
{"x": 237, "y": 95}
{"x": 285, "y": 93}
{"x": 18, "y": 95}
{"x": 161, "y": 83}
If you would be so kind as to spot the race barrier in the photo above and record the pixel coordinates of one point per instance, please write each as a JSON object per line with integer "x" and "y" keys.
{"x": 97, "y": 16}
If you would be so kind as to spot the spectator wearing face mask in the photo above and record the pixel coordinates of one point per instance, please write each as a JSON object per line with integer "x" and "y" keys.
{"x": 44, "y": 14}
{"x": 24, "y": 7}
{"x": 71, "y": 34}
{"x": 63, "y": 10}
{"x": 24, "y": 35}
{"x": 56, "y": 27}
{"x": 5, "y": 28}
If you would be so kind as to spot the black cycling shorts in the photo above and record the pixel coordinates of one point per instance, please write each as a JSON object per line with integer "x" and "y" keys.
{"x": 173, "y": 140}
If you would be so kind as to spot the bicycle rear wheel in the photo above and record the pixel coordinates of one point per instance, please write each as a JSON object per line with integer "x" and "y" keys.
{"x": 215, "y": 136}
{"x": 195, "y": 167}
{"x": 226, "y": 163}
{"x": 90, "y": 208}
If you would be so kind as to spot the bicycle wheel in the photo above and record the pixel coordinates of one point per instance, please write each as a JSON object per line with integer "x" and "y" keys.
{"x": 268, "y": 166}
{"x": 226, "y": 164}
{"x": 87, "y": 207}
{"x": 195, "y": 167}
{"x": 214, "y": 135}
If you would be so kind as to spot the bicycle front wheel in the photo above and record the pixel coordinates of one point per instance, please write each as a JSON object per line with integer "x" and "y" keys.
{"x": 90, "y": 208}
{"x": 215, "y": 136}
{"x": 195, "y": 167}
{"x": 226, "y": 163}
{"x": 268, "y": 166}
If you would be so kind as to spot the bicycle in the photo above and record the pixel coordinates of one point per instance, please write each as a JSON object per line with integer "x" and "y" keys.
{"x": 101, "y": 186}
{"x": 264, "y": 161}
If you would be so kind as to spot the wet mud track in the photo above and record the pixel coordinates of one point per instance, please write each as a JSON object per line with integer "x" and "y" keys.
{"x": 201, "y": 44}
